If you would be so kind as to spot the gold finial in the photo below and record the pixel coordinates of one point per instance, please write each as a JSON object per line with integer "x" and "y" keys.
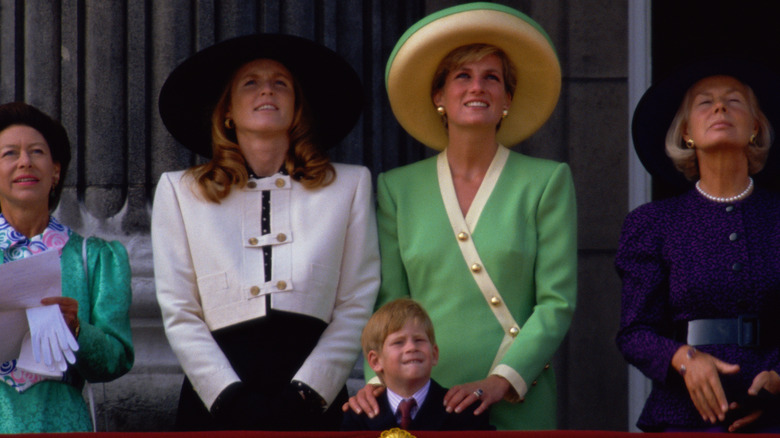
{"x": 396, "y": 433}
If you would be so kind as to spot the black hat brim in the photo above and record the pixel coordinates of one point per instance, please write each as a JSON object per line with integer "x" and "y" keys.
{"x": 330, "y": 85}
{"x": 657, "y": 107}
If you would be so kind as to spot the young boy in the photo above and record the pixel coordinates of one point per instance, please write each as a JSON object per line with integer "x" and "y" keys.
{"x": 400, "y": 346}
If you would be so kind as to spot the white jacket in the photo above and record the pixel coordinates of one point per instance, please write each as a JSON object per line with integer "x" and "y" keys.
{"x": 208, "y": 264}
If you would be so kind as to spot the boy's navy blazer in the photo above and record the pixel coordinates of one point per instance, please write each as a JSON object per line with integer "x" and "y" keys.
{"x": 431, "y": 415}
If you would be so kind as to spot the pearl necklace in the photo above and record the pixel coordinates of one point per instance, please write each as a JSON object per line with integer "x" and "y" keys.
{"x": 729, "y": 199}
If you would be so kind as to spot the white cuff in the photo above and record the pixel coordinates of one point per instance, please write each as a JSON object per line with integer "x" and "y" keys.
{"x": 515, "y": 379}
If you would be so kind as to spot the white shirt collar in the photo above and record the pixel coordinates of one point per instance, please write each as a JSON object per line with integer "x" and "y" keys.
{"x": 419, "y": 397}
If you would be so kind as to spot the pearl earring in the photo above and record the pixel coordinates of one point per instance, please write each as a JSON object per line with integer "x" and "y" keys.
{"x": 505, "y": 114}
{"x": 440, "y": 110}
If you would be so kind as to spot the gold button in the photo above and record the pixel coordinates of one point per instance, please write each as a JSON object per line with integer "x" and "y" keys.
{"x": 495, "y": 301}
{"x": 463, "y": 236}
{"x": 281, "y": 237}
{"x": 514, "y": 331}
{"x": 281, "y": 285}
{"x": 547, "y": 366}
{"x": 280, "y": 182}
{"x": 534, "y": 383}
{"x": 251, "y": 184}
{"x": 254, "y": 291}
{"x": 476, "y": 268}
{"x": 253, "y": 241}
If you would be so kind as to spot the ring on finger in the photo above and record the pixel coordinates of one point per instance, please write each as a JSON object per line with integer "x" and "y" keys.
{"x": 478, "y": 393}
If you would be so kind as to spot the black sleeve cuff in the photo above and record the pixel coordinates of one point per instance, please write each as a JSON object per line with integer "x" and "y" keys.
{"x": 311, "y": 398}
{"x": 227, "y": 398}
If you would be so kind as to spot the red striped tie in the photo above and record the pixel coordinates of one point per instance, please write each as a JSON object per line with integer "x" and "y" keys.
{"x": 405, "y": 407}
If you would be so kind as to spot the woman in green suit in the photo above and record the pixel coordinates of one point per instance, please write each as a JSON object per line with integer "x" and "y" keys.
{"x": 483, "y": 237}
{"x": 96, "y": 293}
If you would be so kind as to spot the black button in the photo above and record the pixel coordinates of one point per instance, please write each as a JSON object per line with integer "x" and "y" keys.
{"x": 736, "y": 267}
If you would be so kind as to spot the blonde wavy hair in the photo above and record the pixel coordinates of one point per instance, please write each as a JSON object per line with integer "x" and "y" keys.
{"x": 305, "y": 162}
{"x": 684, "y": 158}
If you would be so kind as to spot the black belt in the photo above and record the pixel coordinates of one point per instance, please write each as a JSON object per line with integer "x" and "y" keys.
{"x": 748, "y": 331}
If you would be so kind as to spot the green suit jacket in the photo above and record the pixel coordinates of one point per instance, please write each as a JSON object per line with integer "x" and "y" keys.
{"x": 526, "y": 238}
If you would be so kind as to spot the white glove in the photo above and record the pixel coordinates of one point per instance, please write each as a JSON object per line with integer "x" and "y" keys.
{"x": 51, "y": 338}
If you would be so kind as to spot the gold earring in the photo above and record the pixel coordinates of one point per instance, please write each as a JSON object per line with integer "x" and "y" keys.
{"x": 753, "y": 140}
{"x": 440, "y": 110}
{"x": 505, "y": 114}
{"x": 229, "y": 124}
{"x": 689, "y": 143}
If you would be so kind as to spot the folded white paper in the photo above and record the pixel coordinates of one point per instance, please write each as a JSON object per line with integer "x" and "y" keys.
{"x": 27, "y": 281}
{"x": 37, "y": 335}
{"x": 13, "y": 326}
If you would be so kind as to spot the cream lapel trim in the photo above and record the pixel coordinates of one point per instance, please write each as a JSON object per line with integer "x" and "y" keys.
{"x": 462, "y": 230}
{"x": 447, "y": 187}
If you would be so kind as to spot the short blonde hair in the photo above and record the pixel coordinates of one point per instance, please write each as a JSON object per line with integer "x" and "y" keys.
{"x": 684, "y": 158}
{"x": 305, "y": 162}
{"x": 391, "y": 318}
{"x": 472, "y": 53}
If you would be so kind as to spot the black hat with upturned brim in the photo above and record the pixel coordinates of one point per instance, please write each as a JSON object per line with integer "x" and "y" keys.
{"x": 330, "y": 85}
{"x": 657, "y": 107}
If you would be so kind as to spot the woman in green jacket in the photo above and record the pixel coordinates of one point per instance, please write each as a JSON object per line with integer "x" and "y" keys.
{"x": 483, "y": 237}
{"x": 34, "y": 157}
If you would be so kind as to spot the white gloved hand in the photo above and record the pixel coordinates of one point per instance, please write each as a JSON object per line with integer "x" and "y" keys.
{"x": 51, "y": 338}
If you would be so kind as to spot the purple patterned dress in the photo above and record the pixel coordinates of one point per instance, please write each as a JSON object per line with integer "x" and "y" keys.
{"x": 688, "y": 258}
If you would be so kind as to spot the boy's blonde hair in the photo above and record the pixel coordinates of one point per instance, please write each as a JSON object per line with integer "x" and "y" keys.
{"x": 391, "y": 318}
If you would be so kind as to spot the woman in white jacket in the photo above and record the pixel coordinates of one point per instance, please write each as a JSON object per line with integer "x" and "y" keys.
{"x": 266, "y": 259}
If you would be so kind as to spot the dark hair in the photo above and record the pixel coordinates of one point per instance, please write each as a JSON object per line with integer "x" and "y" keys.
{"x": 20, "y": 113}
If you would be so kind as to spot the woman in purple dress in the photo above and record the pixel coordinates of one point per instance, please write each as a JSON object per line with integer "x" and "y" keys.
{"x": 701, "y": 271}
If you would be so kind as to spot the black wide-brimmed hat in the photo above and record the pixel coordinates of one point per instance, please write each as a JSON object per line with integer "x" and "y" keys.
{"x": 330, "y": 85}
{"x": 658, "y": 106}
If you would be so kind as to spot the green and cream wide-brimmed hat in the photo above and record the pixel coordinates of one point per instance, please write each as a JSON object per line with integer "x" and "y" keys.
{"x": 420, "y": 50}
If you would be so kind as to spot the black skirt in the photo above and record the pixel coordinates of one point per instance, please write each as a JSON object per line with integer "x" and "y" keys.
{"x": 265, "y": 353}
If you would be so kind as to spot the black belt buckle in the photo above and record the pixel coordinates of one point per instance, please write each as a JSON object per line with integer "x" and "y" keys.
{"x": 748, "y": 331}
